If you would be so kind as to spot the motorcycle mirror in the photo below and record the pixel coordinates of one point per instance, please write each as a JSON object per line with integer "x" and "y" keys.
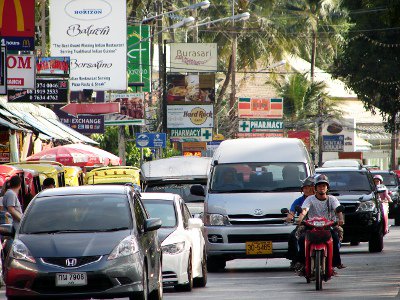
{"x": 381, "y": 189}
{"x": 298, "y": 209}
{"x": 284, "y": 211}
{"x": 339, "y": 209}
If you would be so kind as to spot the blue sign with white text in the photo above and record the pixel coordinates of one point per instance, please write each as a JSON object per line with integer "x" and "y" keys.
{"x": 151, "y": 140}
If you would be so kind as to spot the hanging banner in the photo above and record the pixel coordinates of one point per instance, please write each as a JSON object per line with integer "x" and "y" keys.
{"x": 190, "y": 116}
{"x": 17, "y": 24}
{"x": 260, "y": 108}
{"x": 93, "y": 34}
{"x": 52, "y": 66}
{"x": 139, "y": 66}
{"x": 190, "y": 89}
{"x": 193, "y": 57}
{"x": 21, "y": 71}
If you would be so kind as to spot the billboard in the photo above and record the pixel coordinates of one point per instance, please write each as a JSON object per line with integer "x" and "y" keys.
{"x": 139, "y": 66}
{"x": 190, "y": 116}
{"x": 193, "y": 57}
{"x": 345, "y": 127}
{"x": 52, "y": 66}
{"x": 190, "y": 89}
{"x": 93, "y": 34}
{"x": 132, "y": 109}
{"x": 260, "y": 108}
{"x": 17, "y": 24}
{"x": 333, "y": 143}
{"x": 20, "y": 71}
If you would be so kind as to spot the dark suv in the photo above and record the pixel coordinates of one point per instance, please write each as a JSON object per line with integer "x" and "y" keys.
{"x": 391, "y": 181}
{"x": 364, "y": 216}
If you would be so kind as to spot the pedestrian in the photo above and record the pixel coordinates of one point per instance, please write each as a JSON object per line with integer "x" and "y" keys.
{"x": 11, "y": 202}
{"x": 49, "y": 183}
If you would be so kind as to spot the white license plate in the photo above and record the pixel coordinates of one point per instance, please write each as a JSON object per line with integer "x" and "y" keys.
{"x": 71, "y": 279}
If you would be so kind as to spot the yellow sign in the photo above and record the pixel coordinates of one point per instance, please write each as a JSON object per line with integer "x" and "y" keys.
{"x": 218, "y": 137}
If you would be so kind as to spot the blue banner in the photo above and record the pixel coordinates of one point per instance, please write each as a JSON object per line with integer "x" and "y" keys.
{"x": 333, "y": 143}
{"x": 151, "y": 140}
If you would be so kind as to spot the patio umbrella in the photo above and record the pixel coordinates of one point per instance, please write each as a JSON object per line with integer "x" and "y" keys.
{"x": 109, "y": 158}
{"x": 67, "y": 156}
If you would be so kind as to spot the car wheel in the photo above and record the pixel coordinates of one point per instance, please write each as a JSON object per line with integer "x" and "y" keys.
{"x": 202, "y": 281}
{"x": 215, "y": 264}
{"x": 376, "y": 242}
{"x": 157, "y": 294}
{"x": 187, "y": 287}
{"x": 144, "y": 295}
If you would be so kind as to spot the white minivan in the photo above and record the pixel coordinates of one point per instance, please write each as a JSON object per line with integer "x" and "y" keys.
{"x": 250, "y": 181}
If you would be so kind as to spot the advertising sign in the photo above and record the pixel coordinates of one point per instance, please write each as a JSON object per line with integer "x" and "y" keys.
{"x": 52, "y": 66}
{"x": 48, "y": 91}
{"x": 132, "y": 104}
{"x": 191, "y": 89}
{"x": 83, "y": 124}
{"x": 333, "y": 143}
{"x": 17, "y": 24}
{"x": 151, "y": 140}
{"x": 93, "y": 34}
{"x": 20, "y": 71}
{"x": 193, "y": 57}
{"x": 345, "y": 127}
{"x": 260, "y": 125}
{"x": 260, "y": 108}
{"x": 3, "y": 71}
{"x": 259, "y": 134}
{"x": 139, "y": 66}
{"x": 191, "y": 134}
{"x": 190, "y": 116}
{"x": 303, "y": 135}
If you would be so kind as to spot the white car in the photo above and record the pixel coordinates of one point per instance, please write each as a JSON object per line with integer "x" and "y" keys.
{"x": 184, "y": 257}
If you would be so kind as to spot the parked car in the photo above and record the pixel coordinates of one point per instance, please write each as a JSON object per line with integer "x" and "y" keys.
{"x": 181, "y": 236}
{"x": 243, "y": 217}
{"x": 365, "y": 218}
{"x": 392, "y": 182}
{"x": 84, "y": 242}
{"x": 176, "y": 175}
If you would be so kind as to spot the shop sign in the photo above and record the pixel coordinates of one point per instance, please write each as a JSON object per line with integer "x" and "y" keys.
{"x": 191, "y": 134}
{"x": 21, "y": 71}
{"x": 260, "y": 125}
{"x": 333, "y": 143}
{"x": 190, "y": 116}
{"x": 193, "y": 57}
{"x": 271, "y": 108}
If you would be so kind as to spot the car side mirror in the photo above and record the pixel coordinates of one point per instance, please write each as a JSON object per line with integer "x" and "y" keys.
{"x": 7, "y": 230}
{"x": 340, "y": 209}
{"x": 195, "y": 223}
{"x": 197, "y": 190}
{"x": 284, "y": 211}
{"x": 152, "y": 224}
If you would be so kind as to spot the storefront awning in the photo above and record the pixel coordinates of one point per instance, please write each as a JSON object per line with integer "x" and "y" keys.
{"x": 5, "y": 123}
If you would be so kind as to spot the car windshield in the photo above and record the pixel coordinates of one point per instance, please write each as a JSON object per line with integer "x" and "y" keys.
{"x": 388, "y": 179}
{"x": 348, "y": 181}
{"x": 165, "y": 210}
{"x": 257, "y": 177}
{"x": 78, "y": 213}
{"x": 182, "y": 189}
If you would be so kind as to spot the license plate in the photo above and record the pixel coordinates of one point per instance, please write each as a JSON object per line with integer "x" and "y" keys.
{"x": 71, "y": 279}
{"x": 259, "y": 248}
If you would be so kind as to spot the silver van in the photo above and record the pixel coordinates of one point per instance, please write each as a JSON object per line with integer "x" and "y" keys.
{"x": 250, "y": 181}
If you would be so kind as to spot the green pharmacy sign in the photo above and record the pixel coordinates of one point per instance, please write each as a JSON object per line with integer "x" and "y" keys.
{"x": 139, "y": 67}
{"x": 260, "y": 125}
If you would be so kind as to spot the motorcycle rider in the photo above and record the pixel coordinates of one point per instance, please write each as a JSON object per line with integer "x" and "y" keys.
{"x": 321, "y": 205}
{"x": 307, "y": 188}
{"x": 385, "y": 197}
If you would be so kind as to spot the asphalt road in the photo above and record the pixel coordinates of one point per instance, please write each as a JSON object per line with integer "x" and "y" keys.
{"x": 367, "y": 276}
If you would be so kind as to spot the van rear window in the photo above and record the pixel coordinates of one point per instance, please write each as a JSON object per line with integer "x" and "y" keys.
{"x": 257, "y": 177}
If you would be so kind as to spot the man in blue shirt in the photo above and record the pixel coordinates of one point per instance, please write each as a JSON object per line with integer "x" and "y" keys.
{"x": 307, "y": 188}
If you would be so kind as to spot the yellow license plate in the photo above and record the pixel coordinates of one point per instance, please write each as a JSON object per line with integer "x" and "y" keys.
{"x": 258, "y": 248}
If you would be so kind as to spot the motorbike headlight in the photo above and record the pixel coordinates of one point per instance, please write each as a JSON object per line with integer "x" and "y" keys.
{"x": 127, "y": 246}
{"x": 21, "y": 252}
{"x": 175, "y": 248}
{"x": 319, "y": 223}
{"x": 366, "y": 206}
{"x": 216, "y": 220}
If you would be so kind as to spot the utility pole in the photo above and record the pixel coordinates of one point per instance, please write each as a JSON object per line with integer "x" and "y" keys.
{"x": 233, "y": 68}
{"x": 161, "y": 67}
{"x": 394, "y": 141}
{"x": 43, "y": 39}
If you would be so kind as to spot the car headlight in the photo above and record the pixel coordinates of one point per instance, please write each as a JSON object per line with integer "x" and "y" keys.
{"x": 216, "y": 220}
{"x": 127, "y": 246}
{"x": 175, "y": 248}
{"x": 366, "y": 206}
{"x": 21, "y": 252}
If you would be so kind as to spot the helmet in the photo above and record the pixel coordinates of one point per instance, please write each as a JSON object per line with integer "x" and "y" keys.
{"x": 379, "y": 177}
{"x": 322, "y": 179}
{"x": 309, "y": 181}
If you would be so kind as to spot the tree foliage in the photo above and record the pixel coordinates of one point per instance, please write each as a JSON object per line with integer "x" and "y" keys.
{"x": 370, "y": 60}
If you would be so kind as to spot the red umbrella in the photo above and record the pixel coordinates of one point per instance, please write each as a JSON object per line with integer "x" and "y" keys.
{"x": 109, "y": 158}
{"x": 67, "y": 156}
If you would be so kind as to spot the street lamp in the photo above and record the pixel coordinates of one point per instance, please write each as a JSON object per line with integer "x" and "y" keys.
{"x": 202, "y": 5}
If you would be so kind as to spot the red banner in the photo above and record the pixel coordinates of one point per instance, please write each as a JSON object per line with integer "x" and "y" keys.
{"x": 17, "y": 18}
{"x": 302, "y": 135}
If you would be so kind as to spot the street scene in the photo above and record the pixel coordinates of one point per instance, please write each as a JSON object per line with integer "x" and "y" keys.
{"x": 217, "y": 149}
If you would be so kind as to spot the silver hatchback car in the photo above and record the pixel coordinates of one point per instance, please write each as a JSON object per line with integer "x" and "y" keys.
{"x": 82, "y": 242}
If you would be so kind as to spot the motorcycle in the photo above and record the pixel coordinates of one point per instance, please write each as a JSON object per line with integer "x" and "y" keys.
{"x": 318, "y": 248}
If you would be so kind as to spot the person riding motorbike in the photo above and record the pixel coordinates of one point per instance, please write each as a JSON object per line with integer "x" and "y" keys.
{"x": 321, "y": 205}
{"x": 307, "y": 188}
{"x": 385, "y": 197}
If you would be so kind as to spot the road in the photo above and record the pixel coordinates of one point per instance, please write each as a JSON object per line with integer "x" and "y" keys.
{"x": 367, "y": 276}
